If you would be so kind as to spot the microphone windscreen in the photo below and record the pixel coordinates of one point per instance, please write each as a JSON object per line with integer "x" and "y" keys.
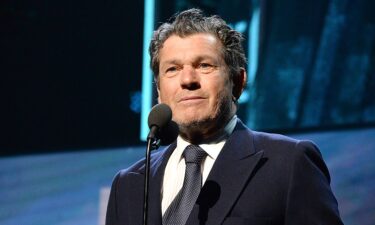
{"x": 160, "y": 116}
{"x": 169, "y": 133}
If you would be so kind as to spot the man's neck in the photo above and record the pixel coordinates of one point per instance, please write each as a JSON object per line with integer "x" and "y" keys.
{"x": 215, "y": 137}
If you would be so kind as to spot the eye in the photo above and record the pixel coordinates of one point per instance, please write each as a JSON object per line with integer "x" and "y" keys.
{"x": 206, "y": 67}
{"x": 171, "y": 71}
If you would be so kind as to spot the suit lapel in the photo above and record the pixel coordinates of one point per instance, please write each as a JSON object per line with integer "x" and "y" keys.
{"x": 227, "y": 178}
{"x": 157, "y": 166}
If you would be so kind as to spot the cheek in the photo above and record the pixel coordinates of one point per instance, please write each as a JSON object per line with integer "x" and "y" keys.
{"x": 221, "y": 90}
{"x": 166, "y": 94}
{"x": 222, "y": 99}
{"x": 163, "y": 97}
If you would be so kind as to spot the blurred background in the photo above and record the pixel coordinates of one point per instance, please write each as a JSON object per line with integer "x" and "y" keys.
{"x": 75, "y": 91}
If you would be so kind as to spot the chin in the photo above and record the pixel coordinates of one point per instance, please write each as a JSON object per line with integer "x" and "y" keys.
{"x": 188, "y": 120}
{"x": 194, "y": 124}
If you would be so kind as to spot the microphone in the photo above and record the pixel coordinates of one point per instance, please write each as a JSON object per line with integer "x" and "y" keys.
{"x": 161, "y": 125}
{"x": 163, "y": 130}
{"x": 159, "y": 117}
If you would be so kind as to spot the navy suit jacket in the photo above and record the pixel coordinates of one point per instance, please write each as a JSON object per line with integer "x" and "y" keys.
{"x": 257, "y": 179}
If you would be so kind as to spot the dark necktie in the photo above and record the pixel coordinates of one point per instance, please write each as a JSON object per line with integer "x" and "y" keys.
{"x": 181, "y": 207}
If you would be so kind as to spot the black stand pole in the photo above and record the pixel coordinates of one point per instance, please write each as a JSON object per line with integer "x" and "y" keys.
{"x": 150, "y": 146}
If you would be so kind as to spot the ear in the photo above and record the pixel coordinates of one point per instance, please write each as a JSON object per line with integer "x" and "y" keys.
{"x": 158, "y": 90}
{"x": 239, "y": 83}
{"x": 156, "y": 82}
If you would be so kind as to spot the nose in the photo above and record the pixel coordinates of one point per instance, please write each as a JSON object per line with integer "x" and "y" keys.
{"x": 189, "y": 79}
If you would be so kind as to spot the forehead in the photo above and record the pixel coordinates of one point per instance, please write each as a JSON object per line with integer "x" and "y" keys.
{"x": 195, "y": 45}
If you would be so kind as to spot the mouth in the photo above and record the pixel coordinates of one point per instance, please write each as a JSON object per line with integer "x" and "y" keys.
{"x": 188, "y": 99}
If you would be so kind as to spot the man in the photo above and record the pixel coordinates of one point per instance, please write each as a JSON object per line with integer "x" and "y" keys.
{"x": 245, "y": 177}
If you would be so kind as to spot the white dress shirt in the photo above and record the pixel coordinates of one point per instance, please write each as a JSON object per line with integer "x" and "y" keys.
{"x": 175, "y": 170}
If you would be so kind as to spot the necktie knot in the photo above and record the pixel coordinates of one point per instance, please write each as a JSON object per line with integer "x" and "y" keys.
{"x": 194, "y": 154}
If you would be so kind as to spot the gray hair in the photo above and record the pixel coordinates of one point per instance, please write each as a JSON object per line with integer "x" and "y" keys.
{"x": 193, "y": 21}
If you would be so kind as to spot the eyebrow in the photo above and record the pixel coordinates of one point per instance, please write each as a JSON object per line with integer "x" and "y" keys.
{"x": 196, "y": 59}
{"x": 172, "y": 61}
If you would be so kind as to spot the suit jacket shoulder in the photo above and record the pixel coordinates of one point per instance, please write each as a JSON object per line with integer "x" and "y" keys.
{"x": 288, "y": 149}
{"x": 125, "y": 204}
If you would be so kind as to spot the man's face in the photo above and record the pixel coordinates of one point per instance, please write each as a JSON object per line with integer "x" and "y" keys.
{"x": 194, "y": 82}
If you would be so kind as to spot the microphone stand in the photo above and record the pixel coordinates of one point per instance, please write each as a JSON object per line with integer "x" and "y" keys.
{"x": 152, "y": 144}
